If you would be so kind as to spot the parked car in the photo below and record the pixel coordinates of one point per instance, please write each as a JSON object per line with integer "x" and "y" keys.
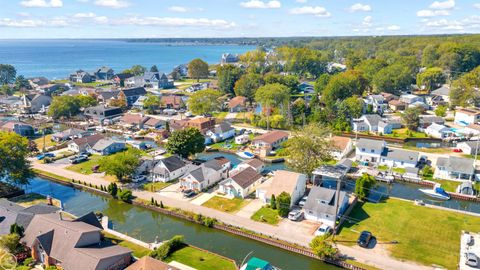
{"x": 303, "y": 201}
{"x": 457, "y": 150}
{"x": 323, "y": 229}
{"x": 78, "y": 159}
{"x": 295, "y": 215}
{"x": 188, "y": 114}
{"x": 364, "y": 239}
{"x": 85, "y": 153}
{"x": 471, "y": 259}
{"x": 188, "y": 193}
{"x": 45, "y": 155}
{"x": 139, "y": 178}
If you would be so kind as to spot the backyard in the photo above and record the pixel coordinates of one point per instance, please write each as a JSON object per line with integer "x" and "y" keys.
{"x": 155, "y": 186}
{"x": 404, "y": 133}
{"x": 85, "y": 167}
{"x": 30, "y": 199}
{"x": 411, "y": 226}
{"x": 267, "y": 215}
{"x": 225, "y": 204}
{"x": 48, "y": 142}
{"x": 138, "y": 251}
{"x": 200, "y": 259}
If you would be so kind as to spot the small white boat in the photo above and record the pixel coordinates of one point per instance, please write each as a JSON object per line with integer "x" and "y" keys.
{"x": 245, "y": 154}
{"x": 436, "y": 192}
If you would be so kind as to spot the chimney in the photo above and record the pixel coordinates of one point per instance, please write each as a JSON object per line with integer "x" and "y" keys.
{"x": 49, "y": 200}
{"x": 60, "y": 215}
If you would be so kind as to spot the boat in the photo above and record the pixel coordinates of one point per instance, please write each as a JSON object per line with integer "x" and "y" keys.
{"x": 436, "y": 192}
{"x": 245, "y": 154}
{"x": 258, "y": 264}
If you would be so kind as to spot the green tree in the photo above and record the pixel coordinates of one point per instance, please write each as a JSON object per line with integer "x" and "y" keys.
{"x": 69, "y": 106}
{"x": 411, "y": 118}
{"x": 151, "y": 103}
{"x": 363, "y": 185}
{"x": 247, "y": 85}
{"x": 273, "y": 202}
{"x": 344, "y": 85}
{"x": 21, "y": 84}
{"x": 354, "y": 106}
{"x": 430, "y": 55}
{"x": 6, "y": 90}
{"x": 85, "y": 101}
{"x": 125, "y": 195}
{"x": 17, "y": 229}
{"x": 186, "y": 142}
{"x": 227, "y": 77}
{"x": 464, "y": 91}
{"x": 441, "y": 111}
{"x": 370, "y": 67}
{"x": 136, "y": 70}
{"x": 10, "y": 242}
{"x": 321, "y": 83}
{"x": 322, "y": 247}
{"x": 154, "y": 68}
{"x": 112, "y": 189}
{"x": 204, "y": 101}
{"x": 8, "y": 73}
{"x": 431, "y": 78}
{"x": 121, "y": 165}
{"x": 393, "y": 79}
{"x": 283, "y": 204}
{"x": 290, "y": 81}
{"x": 14, "y": 166}
{"x": 272, "y": 95}
{"x": 197, "y": 69}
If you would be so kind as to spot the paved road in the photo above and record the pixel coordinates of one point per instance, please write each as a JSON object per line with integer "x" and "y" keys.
{"x": 301, "y": 236}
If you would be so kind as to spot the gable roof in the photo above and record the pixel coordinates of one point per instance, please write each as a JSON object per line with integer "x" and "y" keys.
{"x": 457, "y": 164}
{"x": 283, "y": 181}
{"x": 322, "y": 200}
{"x": 254, "y": 162}
{"x": 442, "y": 91}
{"x": 173, "y": 163}
{"x": 370, "y": 144}
{"x": 372, "y": 119}
{"x": 89, "y": 140}
{"x": 340, "y": 142}
{"x": 246, "y": 177}
{"x": 137, "y": 91}
{"x": 103, "y": 143}
{"x": 272, "y": 136}
{"x": 400, "y": 155}
{"x": 236, "y": 101}
{"x": 223, "y": 127}
{"x": 149, "y": 263}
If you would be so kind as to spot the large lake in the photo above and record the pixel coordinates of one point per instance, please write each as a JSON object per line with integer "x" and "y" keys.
{"x": 55, "y": 59}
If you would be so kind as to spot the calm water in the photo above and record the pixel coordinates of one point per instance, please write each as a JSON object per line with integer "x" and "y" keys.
{"x": 145, "y": 224}
{"x": 56, "y": 59}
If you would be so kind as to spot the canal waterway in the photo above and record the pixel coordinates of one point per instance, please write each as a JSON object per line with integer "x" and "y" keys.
{"x": 146, "y": 225}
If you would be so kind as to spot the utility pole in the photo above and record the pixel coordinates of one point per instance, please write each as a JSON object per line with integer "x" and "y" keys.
{"x": 337, "y": 201}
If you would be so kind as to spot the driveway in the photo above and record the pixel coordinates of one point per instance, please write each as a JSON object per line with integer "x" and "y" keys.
{"x": 172, "y": 191}
{"x": 248, "y": 210}
{"x": 202, "y": 198}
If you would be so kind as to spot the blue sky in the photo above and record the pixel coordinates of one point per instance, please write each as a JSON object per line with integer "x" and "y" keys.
{"x": 233, "y": 18}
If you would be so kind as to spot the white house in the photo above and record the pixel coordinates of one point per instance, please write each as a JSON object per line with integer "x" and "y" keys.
{"x": 321, "y": 205}
{"x": 410, "y": 99}
{"x": 108, "y": 146}
{"x": 206, "y": 175}
{"x": 84, "y": 144}
{"x": 454, "y": 168}
{"x": 241, "y": 184}
{"x": 221, "y": 132}
{"x": 367, "y": 122}
{"x": 399, "y": 158}
{"x": 242, "y": 139}
{"x": 342, "y": 146}
{"x": 377, "y": 102}
{"x": 283, "y": 181}
{"x": 272, "y": 139}
{"x": 439, "y": 131}
{"x": 466, "y": 117}
{"x": 468, "y": 147}
{"x": 368, "y": 150}
{"x": 169, "y": 169}
{"x": 253, "y": 163}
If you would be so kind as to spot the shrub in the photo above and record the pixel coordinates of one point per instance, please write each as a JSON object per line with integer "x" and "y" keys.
{"x": 112, "y": 189}
{"x": 209, "y": 222}
{"x": 168, "y": 247}
{"x": 125, "y": 195}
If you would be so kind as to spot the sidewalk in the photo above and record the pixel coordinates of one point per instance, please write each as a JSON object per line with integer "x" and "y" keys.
{"x": 282, "y": 232}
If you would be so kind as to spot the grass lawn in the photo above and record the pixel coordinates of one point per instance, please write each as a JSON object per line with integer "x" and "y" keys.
{"x": 404, "y": 133}
{"x": 48, "y": 142}
{"x": 85, "y": 167}
{"x": 267, "y": 215}
{"x": 428, "y": 150}
{"x": 138, "y": 251}
{"x": 30, "y": 199}
{"x": 220, "y": 115}
{"x": 225, "y": 205}
{"x": 52, "y": 175}
{"x": 425, "y": 235}
{"x": 223, "y": 145}
{"x": 448, "y": 185}
{"x": 200, "y": 259}
{"x": 155, "y": 186}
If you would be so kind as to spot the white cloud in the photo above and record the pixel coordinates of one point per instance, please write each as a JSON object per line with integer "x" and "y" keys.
{"x": 177, "y": 9}
{"x": 261, "y": 4}
{"x": 169, "y": 21}
{"x": 367, "y": 21}
{"x": 316, "y": 11}
{"x": 42, "y": 3}
{"x": 432, "y": 13}
{"x": 301, "y": 1}
{"x": 112, "y": 3}
{"x": 449, "y": 4}
{"x": 360, "y": 7}
{"x": 33, "y": 23}
{"x": 393, "y": 28}
{"x": 84, "y": 15}
{"x": 477, "y": 5}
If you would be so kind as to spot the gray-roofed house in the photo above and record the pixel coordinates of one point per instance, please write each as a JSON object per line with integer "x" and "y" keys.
{"x": 466, "y": 187}
{"x": 377, "y": 102}
{"x": 441, "y": 94}
{"x": 81, "y": 76}
{"x": 20, "y": 128}
{"x": 132, "y": 94}
{"x": 107, "y": 96}
{"x": 104, "y": 73}
{"x": 241, "y": 184}
{"x": 68, "y": 134}
{"x": 426, "y": 120}
{"x": 84, "y": 144}
{"x": 321, "y": 205}
{"x": 206, "y": 175}
{"x": 368, "y": 150}
{"x": 329, "y": 175}
{"x": 221, "y": 132}
{"x": 55, "y": 240}
{"x": 108, "y": 146}
{"x": 100, "y": 113}
{"x": 454, "y": 168}
{"x": 367, "y": 122}
{"x": 169, "y": 169}
{"x": 393, "y": 157}
{"x": 439, "y": 131}
{"x": 468, "y": 147}
{"x": 157, "y": 80}
{"x": 35, "y": 103}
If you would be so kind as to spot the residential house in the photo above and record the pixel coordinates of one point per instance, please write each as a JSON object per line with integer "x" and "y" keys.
{"x": 197, "y": 87}
{"x": 206, "y": 175}
{"x": 393, "y": 157}
{"x": 35, "y": 103}
{"x": 241, "y": 184}
{"x": 468, "y": 147}
{"x": 366, "y": 123}
{"x": 253, "y": 163}
{"x": 377, "y": 103}
{"x": 410, "y": 99}
{"x": 68, "y": 134}
{"x": 368, "y": 150}
{"x": 20, "y": 128}
{"x": 108, "y": 146}
{"x": 237, "y": 104}
{"x": 397, "y": 105}
{"x": 342, "y": 146}
{"x": 157, "y": 80}
{"x": 270, "y": 140}
{"x": 101, "y": 113}
{"x": 38, "y": 81}
{"x": 149, "y": 263}
{"x": 321, "y": 205}
{"x": 465, "y": 117}
{"x": 228, "y": 58}
{"x": 139, "y": 103}
{"x": 306, "y": 88}
{"x": 131, "y": 95}
{"x": 329, "y": 175}
{"x": 119, "y": 79}
{"x": 419, "y": 104}
{"x": 76, "y": 244}
{"x": 107, "y": 96}
{"x": 440, "y": 95}
{"x": 133, "y": 121}
{"x": 168, "y": 169}
{"x": 471, "y": 130}
{"x": 283, "y": 181}
{"x": 172, "y": 102}
{"x": 411, "y": 173}
{"x": 388, "y": 97}
{"x": 181, "y": 69}
{"x": 454, "y": 168}
{"x": 104, "y": 74}
{"x": 84, "y": 144}
{"x": 203, "y": 124}
{"x": 333, "y": 67}
{"x": 81, "y": 76}
{"x": 242, "y": 139}
{"x": 439, "y": 131}
{"x": 221, "y": 132}
{"x": 154, "y": 123}
{"x": 427, "y": 120}
{"x": 51, "y": 89}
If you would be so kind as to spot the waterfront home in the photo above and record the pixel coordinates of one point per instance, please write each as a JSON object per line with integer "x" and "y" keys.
{"x": 84, "y": 144}
{"x": 81, "y": 76}
{"x": 157, "y": 80}
{"x": 237, "y": 104}
{"x": 253, "y": 163}
{"x": 139, "y": 103}
{"x": 107, "y": 96}
{"x": 203, "y": 124}
{"x": 131, "y": 95}
{"x": 221, "y": 132}
{"x": 465, "y": 117}
{"x": 270, "y": 140}
{"x": 228, "y": 58}
{"x": 397, "y": 105}
{"x": 101, "y": 113}
{"x": 36, "y": 82}
{"x": 133, "y": 121}
{"x": 172, "y": 102}
{"x": 168, "y": 169}
{"x": 426, "y": 120}
{"x": 366, "y": 123}
{"x": 77, "y": 244}
{"x": 283, "y": 181}
{"x": 206, "y": 175}
{"x": 368, "y": 150}
{"x": 68, "y": 134}
{"x": 411, "y": 173}
{"x": 20, "y": 128}
{"x": 104, "y": 73}
{"x": 119, "y": 79}
{"x": 149, "y": 263}
{"x": 439, "y": 96}
{"x": 329, "y": 175}
{"x": 393, "y": 157}
{"x": 35, "y": 103}
{"x": 377, "y": 103}
{"x": 439, "y": 131}
{"x": 51, "y": 89}
{"x": 241, "y": 184}
{"x": 107, "y": 147}
{"x": 242, "y": 139}
{"x": 154, "y": 123}
{"x": 471, "y": 130}
{"x": 321, "y": 205}
{"x": 468, "y": 147}
{"x": 454, "y": 168}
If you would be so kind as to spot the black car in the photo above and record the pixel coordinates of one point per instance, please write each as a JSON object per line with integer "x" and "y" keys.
{"x": 188, "y": 193}
{"x": 364, "y": 239}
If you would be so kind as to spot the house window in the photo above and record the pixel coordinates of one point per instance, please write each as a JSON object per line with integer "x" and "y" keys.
{"x": 372, "y": 151}
{"x": 363, "y": 149}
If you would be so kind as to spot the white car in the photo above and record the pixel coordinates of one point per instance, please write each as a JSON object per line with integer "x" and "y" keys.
{"x": 303, "y": 201}
{"x": 323, "y": 229}
{"x": 139, "y": 178}
{"x": 295, "y": 215}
